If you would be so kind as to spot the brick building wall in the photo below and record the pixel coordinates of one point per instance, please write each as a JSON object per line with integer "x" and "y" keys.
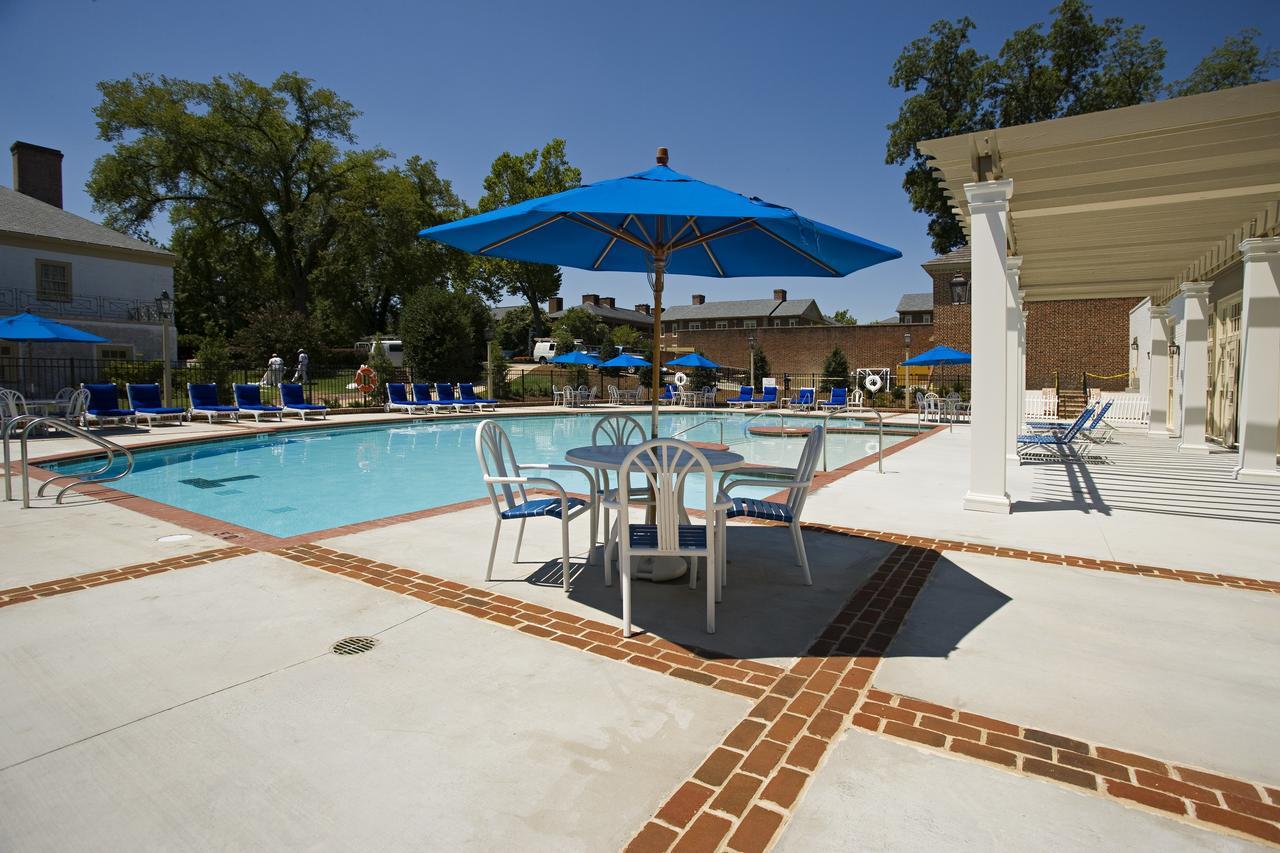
{"x": 1076, "y": 335}
{"x": 804, "y": 349}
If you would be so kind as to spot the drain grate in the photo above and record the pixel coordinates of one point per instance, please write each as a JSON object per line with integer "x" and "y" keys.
{"x": 353, "y": 645}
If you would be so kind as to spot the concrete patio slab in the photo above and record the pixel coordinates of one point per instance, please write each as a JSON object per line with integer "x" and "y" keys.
{"x": 1174, "y": 670}
{"x": 82, "y": 536}
{"x": 876, "y": 794}
{"x": 451, "y": 734}
{"x": 767, "y": 612}
{"x": 1148, "y": 505}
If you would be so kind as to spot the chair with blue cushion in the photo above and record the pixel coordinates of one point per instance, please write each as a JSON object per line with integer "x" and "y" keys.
{"x": 1095, "y": 424}
{"x": 618, "y": 430}
{"x": 803, "y": 400}
{"x": 467, "y": 395}
{"x": 837, "y": 402}
{"x": 669, "y": 395}
{"x": 1055, "y": 445}
{"x": 446, "y": 398}
{"x": 292, "y": 399}
{"x": 145, "y": 400}
{"x": 508, "y": 485}
{"x": 663, "y": 465}
{"x": 797, "y": 481}
{"x": 743, "y": 398}
{"x": 104, "y": 405}
{"x": 768, "y": 397}
{"x": 398, "y": 400}
{"x": 204, "y": 400}
{"x": 249, "y": 399}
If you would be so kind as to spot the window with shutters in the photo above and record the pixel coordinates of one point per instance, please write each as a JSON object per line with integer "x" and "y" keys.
{"x": 53, "y": 281}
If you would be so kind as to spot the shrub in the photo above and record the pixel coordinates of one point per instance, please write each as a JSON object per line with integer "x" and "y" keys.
{"x": 834, "y": 369}
{"x": 443, "y": 333}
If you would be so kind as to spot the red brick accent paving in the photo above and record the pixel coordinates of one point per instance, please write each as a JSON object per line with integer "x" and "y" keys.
{"x": 730, "y": 675}
{"x": 1190, "y": 793}
{"x": 102, "y": 577}
{"x": 748, "y": 786}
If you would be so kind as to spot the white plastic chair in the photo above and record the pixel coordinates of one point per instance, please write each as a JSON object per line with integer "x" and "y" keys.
{"x": 614, "y": 399}
{"x": 618, "y": 430}
{"x": 664, "y": 464}
{"x": 799, "y": 481}
{"x": 557, "y": 396}
{"x": 506, "y": 481}
{"x": 12, "y": 405}
{"x": 62, "y": 400}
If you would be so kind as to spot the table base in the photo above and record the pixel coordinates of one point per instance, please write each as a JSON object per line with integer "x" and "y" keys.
{"x": 655, "y": 569}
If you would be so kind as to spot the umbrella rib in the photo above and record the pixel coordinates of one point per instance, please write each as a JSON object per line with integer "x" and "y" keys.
{"x": 710, "y": 254}
{"x": 688, "y": 221}
{"x": 798, "y": 250}
{"x": 516, "y": 236}
{"x": 612, "y": 242}
{"x": 589, "y": 221}
{"x": 723, "y": 231}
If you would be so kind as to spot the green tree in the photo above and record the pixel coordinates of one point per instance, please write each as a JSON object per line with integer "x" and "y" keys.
{"x": 380, "y": 362}
{"x": 512, "y": 331}
{"x": 276, "y": 328}
{"x": 760, "y": 365}
{"x": 266, "y": 162}
{"x": 844, "y": 317}
{"x": 627, "y": 337}
{"x": 578, "y": 324}
{"x": 1238, "y": 61}
{"x": 514, "y": 178}
{"x": 443, "y": 333}
{"x": 835, "y": 370}
{"x": 497, "y": 368}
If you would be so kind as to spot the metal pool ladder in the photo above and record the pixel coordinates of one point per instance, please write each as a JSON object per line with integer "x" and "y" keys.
{"x": 29, "y": 422}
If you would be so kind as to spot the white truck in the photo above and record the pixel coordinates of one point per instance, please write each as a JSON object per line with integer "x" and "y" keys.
{"x": 393, "y": 349}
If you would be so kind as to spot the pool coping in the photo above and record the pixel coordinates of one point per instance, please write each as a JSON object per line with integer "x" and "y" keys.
{"x": 229, "y": 532}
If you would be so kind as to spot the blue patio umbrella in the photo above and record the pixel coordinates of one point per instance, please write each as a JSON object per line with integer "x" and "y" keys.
{"x": 693, "y": 359}
{"x": 657, "y": 222}
{"x": 626, "y": 359}
{"x": 31, "y": 327}
{"x": 939, "y": 355}
{"x": 577, "y": 357}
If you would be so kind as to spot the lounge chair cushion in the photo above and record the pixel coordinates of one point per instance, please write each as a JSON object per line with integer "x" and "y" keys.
{"x": 159, "y": 410}
{"x": 261, "y": 408}
{"x": 756, "y": 508}
{"x": 111, "y": 413}
{"x": 540, "y": 507}
{"x": 310, "y": 407}
{"x": 689, "y": 536}
{"x": 218, "y": 408}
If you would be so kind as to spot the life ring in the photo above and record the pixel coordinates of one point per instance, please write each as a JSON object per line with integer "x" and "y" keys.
{"x": 872, "y": 383}
{"x": 681, "y": 379}
{"x": 366, "y": 379}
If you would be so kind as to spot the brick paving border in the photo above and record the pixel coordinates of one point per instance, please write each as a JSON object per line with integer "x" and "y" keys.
{"x": 102, "y": 577}
{"x": 1151, "y": 783}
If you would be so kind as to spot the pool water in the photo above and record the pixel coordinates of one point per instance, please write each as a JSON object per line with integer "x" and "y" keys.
{"x": 296, "y": 482}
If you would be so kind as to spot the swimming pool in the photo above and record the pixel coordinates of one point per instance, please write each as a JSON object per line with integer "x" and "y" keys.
{"x": 295, "y": 482}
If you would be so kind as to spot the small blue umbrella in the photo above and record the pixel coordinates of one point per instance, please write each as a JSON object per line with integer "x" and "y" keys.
{"x": 657, "y": 222}
{"x": 577, "y": 357}
{"x": 31, "y": 328}
{"x": 626, "y": 359}
{"x": 939, "y": 355}
{"x": 693, "y": 359}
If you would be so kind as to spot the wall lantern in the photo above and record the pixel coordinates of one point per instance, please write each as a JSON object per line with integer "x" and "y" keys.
{"x": 959, "y": 289}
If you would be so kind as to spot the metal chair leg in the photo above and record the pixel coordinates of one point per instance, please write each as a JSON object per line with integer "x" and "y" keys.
{"x": 564, "y": 542}
{"x": 493, "y": 549}
{"x": 520, "y": 538}
{"x": 802, "y": 557}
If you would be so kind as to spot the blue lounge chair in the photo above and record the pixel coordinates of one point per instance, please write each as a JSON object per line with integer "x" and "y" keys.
{"x": 468, "y": 395}
{"x": 422, "y": 397}
{"x": 445, "y": 397}
{"x": 145, "y": 400}
{"x": 292, "y": 400}
{"x": 104, "y": 405}
{"x": 768, "y": 398}
{"x": 1063, "y": 443}
{"x": 398, "y": 398}
{"x": 668, "y": 395}
{"x": 204, "y": 400}
{"x": 1049, "y": 426}
{"x": 803, "y": 400}
{"x": 249, "y": 399}
{"x": 838, "y": 402}
{"x": 743, "y": 398}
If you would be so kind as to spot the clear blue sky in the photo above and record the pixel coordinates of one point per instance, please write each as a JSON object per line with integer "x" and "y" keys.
{"x": 787, "y": 101}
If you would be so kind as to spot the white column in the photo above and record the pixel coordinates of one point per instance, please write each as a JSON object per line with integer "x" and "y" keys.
{"x": 1195, "y": 366}
{"x": 1259, "y": 408}
{"x": 1158, "y": 371}
{"x": 1012, "y": 334}
{"x": 1022, "y": 353}
{"x": 988, "y": 289}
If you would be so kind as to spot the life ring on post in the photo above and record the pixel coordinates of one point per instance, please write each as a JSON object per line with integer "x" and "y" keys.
{"x": 366, "y": 379}
{"x": 872, "y": 383}
{"x": 681, "y": 379}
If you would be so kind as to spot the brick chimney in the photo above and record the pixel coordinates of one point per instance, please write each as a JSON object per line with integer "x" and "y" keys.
{"x": 607, "y": 301}
{"x": 779, "y": 295}
{"x": 37, "y": 172}
{"x": 644, "y": 307}
{"x": 699, "y": 299}
{"x": 590, "y": 299}
{"x": 554, "y": 304}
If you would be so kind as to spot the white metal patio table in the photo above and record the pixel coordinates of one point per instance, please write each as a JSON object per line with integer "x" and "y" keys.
{"x": 608, "y": 457}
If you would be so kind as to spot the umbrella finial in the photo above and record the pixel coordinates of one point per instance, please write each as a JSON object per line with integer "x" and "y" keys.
{"x": 662, "y": 156}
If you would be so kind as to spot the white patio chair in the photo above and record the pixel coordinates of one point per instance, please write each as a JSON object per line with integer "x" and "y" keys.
{"x": 617, "y": 430}
{"x": 557, "y": 396}
{"x": 614, "y": 398}
{"x": 797, "y": 483}
{"x": 62, "y": 401}
{"x": 664, "y": 464}
{"x": 506, "y": 482}
{"x": 12, "y": 405}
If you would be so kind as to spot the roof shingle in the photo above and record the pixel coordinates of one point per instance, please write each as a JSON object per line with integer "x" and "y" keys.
{"x": 22, "y": 214}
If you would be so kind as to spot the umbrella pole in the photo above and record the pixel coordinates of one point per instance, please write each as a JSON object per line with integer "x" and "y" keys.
{"x": 659, "y": 271}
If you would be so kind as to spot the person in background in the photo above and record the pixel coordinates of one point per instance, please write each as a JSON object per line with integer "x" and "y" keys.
{"x": 300, "y": 374}
{"x": 275, "y": 371}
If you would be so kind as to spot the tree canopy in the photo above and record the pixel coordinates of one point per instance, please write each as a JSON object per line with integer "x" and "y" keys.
{"x": 443, "y": 334}
{"x": 1075, "y": 65}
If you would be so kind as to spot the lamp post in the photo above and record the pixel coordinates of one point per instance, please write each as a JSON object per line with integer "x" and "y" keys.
{"x": 906, "y": 371}
{"x": 164, "y": 308}
{"x": 751, "y": 357}
{"x": 489, "y": 334}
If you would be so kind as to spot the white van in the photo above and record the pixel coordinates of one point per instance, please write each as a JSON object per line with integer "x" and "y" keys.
{"x": 393, "y": 349}
{"x": 545, "y": 349}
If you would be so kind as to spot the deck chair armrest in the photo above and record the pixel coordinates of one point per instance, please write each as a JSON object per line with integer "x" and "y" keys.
{"x": 561, "y": 466}
{"x": 768, "y": 484}
{"x": 757, "y": 469}
{"x": 512, "y": 481}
